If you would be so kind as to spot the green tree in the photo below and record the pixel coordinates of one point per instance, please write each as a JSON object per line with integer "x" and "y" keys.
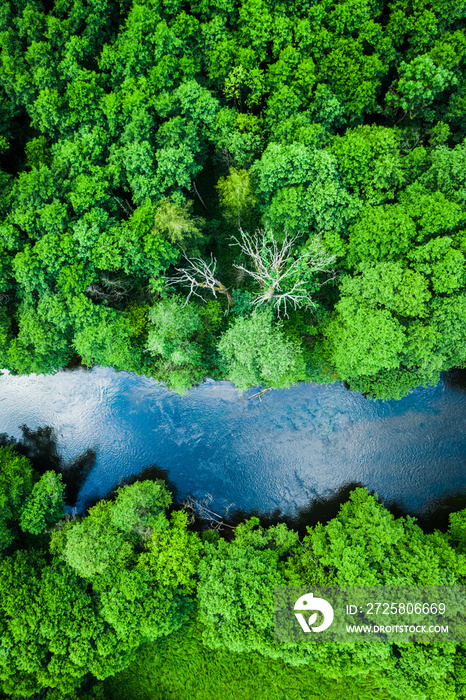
{"x": 141, "y": 563}
{"x": 254, "y": 352}
{"x": 175, "y": 222}
{"x": 236, "y": 586}
{"x": 300, "y": 190}
{"x": 172, "y": 340}
{"x": 370, "y": 161}
{"x": 16, "y": 484}
{"x": 364, "y": 340}
{"x": 52, "y": 629}
{"x": 366, "y": 545}
{"x": 236, "y": 195}
{"x": 45, "y": 505}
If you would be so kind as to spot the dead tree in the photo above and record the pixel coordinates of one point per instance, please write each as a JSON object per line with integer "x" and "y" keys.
{"x": 283, "y": 279}
{"x": 200, "y": 509}
{"x": 110, "y": 290}
{"x": 199, "y": 274}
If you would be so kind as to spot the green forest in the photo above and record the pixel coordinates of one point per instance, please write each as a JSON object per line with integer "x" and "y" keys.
{"x": 261, "y": 191}
{"x": 134, "y": 602}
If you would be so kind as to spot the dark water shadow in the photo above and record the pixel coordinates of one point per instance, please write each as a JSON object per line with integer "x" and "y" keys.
{"x": 434, "y": 517}
{"x": 455, "y": 379}
{"x": 40, "y": 447}
{"x": 75, "y": 473}
{"x": 319, "y": 510}
{"x": 150, "y": 473}
{"x": 436, "y": 514}
{"x": 75, "y": 362}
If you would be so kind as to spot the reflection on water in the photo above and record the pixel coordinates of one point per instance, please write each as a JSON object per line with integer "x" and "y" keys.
{"x": 291, "y": 448}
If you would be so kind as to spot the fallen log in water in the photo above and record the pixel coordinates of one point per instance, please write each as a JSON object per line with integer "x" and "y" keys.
{"x": 260, "y": 393}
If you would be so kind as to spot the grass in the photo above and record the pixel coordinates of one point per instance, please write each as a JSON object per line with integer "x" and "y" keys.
{"x": 182, "y": 668}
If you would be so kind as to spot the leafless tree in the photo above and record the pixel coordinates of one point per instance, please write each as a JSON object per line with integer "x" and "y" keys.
{"x": 112, "y": 290}
{"x": 283, "y": 279}
{"x": 200, "y": 509}
{"x": 199, "y": 274}
{"x": 127, "y": 208}
{"x": 195, "y": 191}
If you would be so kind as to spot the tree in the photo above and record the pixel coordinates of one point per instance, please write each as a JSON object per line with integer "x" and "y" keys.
{"x": 419, "y": 83}
{"x": 16, "y": 484}
{"x": 300, "y": 190}
{"x": 363, "y": 545}
{"x": 236, "y": 583}
{"x": 171, "y": 339}
{"x": 366, "y": 545}
{"x": 174, "y": 221}
{"x": 236, "y": 195}
{"x": 364, "y": 340}
{"x": 370, "y": 161}
{"x": 137, "y": 106}
{"x": 254, "y": 352}
{"x": 52, "y": 628}
{"x": 285, "y": 278}
{"x": 140, "y": 563}
{"x": 45, "y": 505}
{"x": 171, "y": 332}
{"x": 199, "y": 274}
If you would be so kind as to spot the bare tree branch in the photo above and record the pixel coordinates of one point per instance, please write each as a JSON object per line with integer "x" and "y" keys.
{"x": 109, "y": 289}
{"x": 277, "y": 273}
{"x": 199, "y": 274}
{"x": 194, "y": 189}
{"x": 127, "y": 209}
{"x": 200, "y": 509}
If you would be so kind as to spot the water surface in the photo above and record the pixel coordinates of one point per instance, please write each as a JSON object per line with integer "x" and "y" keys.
{"x": 280, "y": 452}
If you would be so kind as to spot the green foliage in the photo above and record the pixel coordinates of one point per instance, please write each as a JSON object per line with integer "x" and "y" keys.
{"x": 236, "y": 195}
{"x": 388, "y": 333}
{"x": 140, "y": 563}
{"x": 370, "y": 161}
{"x": 242, "y": 302}
{"x": 174, "y": 222}
{"x": 300, "y": 189}
{"x": 16, "y": 484}
{"x": 119, "y": 122}
{"x": 92, "y": 546}
{"x": 180, "y": 667}
{"x": 121, "y": 579}
{"x": 137, "y": 317}
{"x": 172, "y": 340}
{"x": 457, "y": 530}
{"x": 45, "y": 505}
{"x": 236, "y": 587}
{"x": 363, "y": 545}
{"x": 51, "y": 628}
{"x": 255, "y": 352}
{"x": 365, "y": 340}
{"x": 366, "y": 545}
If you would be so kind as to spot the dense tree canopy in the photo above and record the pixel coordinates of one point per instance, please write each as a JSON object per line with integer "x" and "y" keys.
{"x": 80, "y": 595}
{"x": 143, "y": 143}
{"x": 132, "y": 132}
{"x": 363, "y": 545}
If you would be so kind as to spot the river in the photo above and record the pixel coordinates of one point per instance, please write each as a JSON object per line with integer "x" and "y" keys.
{"x": 282, "y": 452}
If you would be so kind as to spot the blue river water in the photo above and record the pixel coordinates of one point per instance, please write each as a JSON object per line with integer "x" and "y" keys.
{"x": 277, "y": 452}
